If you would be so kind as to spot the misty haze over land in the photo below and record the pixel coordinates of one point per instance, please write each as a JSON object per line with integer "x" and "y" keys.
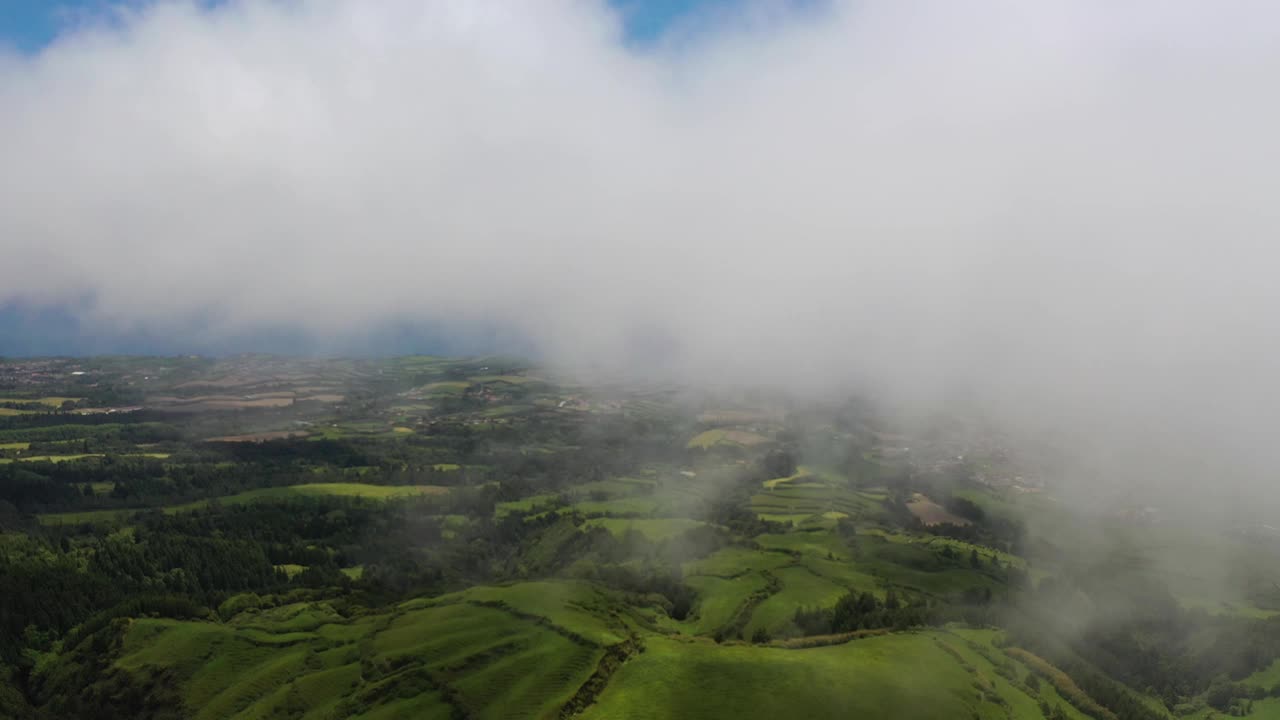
{"x": 1060, "y": 212}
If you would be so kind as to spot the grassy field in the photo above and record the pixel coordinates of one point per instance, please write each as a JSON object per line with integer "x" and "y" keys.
{"x": 720, "y": 436}
{"x": 291, "y": 569}
{"x": 735, "y": 560}
{"x": 1266, "y": 678}
{"x": 803, "y": 577}
{"x": 578, "y": 607}
{"x": 80, "y": 456}
{"x": 719, "y": 599}
{"x": 698, "y": 679}
{"x": 808, "y": 501}
{"x": 377, "y": 492}
{"x": 612, "y": 488}
{"x": 50, "y": 401}
{"x": 653, "y": 528}
{"x": 525, "y": 650}
{"x": 523, "y": 504}
{"x": 820, "y": 542}
{"x": 451, "y": 388}
{"x": 450, "y": 657}
{"x": 619, "y": 506}
{"x": 937, "y": 543}
{"x": 50, "y": 458}
{"x": 917, "y": 568}
{"x": 801, "y": 588}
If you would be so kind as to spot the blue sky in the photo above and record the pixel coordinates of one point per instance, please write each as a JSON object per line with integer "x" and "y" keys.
{"x": 30, "y": 25}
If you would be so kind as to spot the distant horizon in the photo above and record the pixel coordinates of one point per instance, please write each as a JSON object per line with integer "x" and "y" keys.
{"x": 38, "y": 327}
{"x": 59, "y": 335}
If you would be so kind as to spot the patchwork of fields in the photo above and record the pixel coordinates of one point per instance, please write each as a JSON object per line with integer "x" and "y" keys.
{"x": 449, "y": 538}
{"x": 307, "y": 661}
{"x": 529, "y": 650}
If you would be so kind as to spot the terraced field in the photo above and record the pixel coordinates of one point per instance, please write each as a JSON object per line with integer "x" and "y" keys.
{"x": 800, "y": 500}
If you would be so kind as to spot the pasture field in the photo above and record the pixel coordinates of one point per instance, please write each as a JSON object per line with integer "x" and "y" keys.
{"x": 819, "y": 542}
{"x": 612, "y": 488}
{"x": 815, "y": 502}
{"x": 735, "y": 560}
{"x": 53, "y": 401}
{"x": 1266, "y": 678}
{"x": 509, "y": 379}
{"x": 1263, "y": 709}
{"x": 918, "y": 568}
{"x": 81, "y": 456}
{"x": 725, "y": 437}
{"x": 524, "y": 504}
{"x": 619, "y": 506}
{"x": 706, "y": 439}
{"x": 49, "y": 458}
{"x": 845, "y": 574}
{"x": 937, "y": 543}
{"x": 656, "y": 529}
{"x": 720, "y": 599}
{"x": 376, "y": 492}
{"x": 448, "y": 388}
{"x": 575, "y": 606}
{"x": 291, "y": 569}
{"x": 260, "y": 437}
{"x": 505, "y": 411}
{"x": 526, "y": 650}
{"x": 699, "y": 679}
{"x": 801, "y": 588}
{"x": 460, "y": 654}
